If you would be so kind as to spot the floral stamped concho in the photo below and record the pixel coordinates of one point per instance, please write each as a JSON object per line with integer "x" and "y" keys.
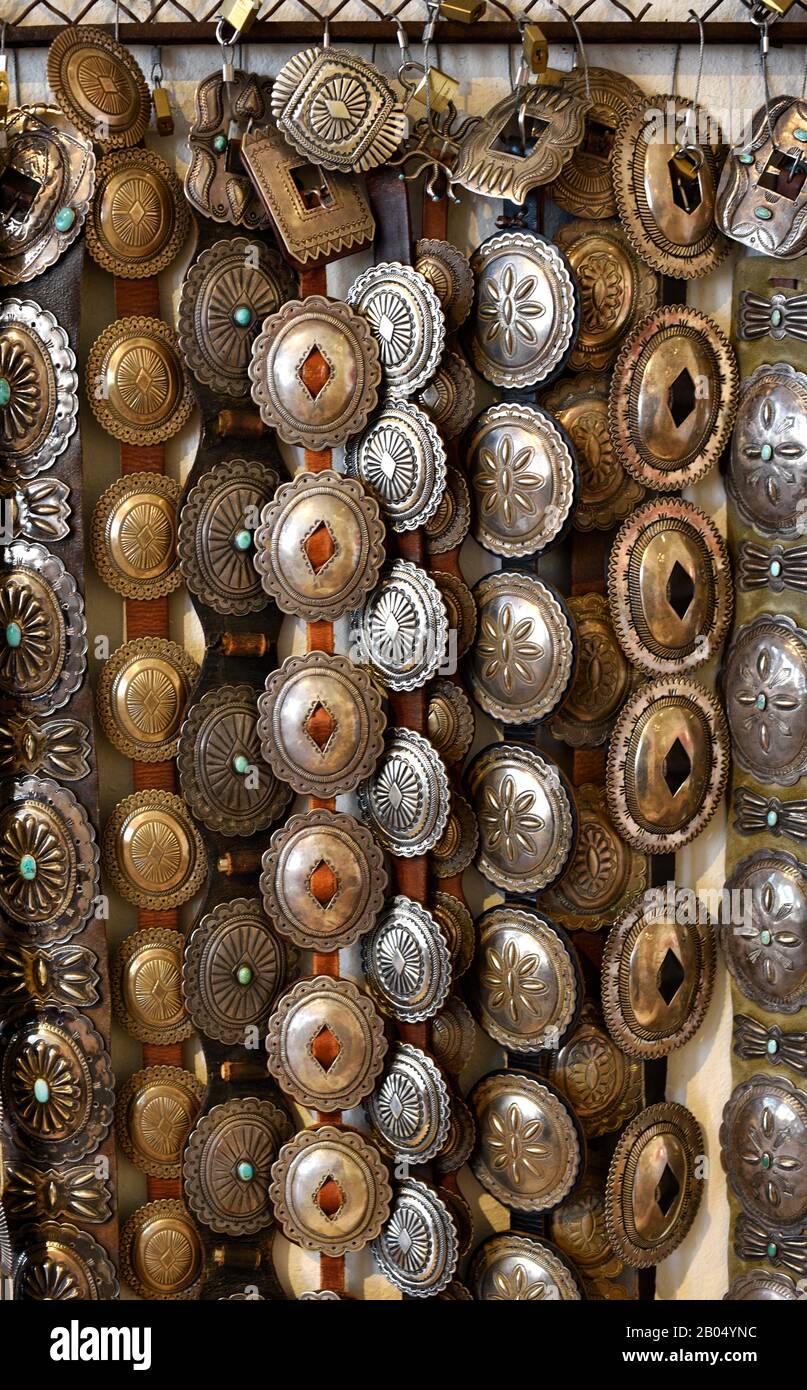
{"x": 765, "y": 684}
{"x": 767, "y": 475}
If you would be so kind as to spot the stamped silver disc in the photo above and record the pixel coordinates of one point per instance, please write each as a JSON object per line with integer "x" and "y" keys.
{"x": 522, "y": 475}
{"x": 402, "y": 631}
{"x": 527, "y": 311}
{"x": 406, "y": 801}
{"x": 418, "y": 1248}
{"x": 523, "y": 656}
{"x": 401, "y": 461}
{"x": 406, "y": 320}
{"x": 406, "y": 962}
{"x": 409, "y": 1111}
{"x": 526, "y": 817}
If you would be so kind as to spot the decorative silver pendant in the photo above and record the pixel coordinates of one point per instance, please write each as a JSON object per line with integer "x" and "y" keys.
{"x": 407, "y": 321}
{"x": 524, "y": 651}
{"x": 402, "y": 631}
{"x": 522, "y": 474}
{"x": 338, "y": 110}
{"x": 401, "y": 461}
{"x": 527, "y": 312}
{"x": 762, "y": 197}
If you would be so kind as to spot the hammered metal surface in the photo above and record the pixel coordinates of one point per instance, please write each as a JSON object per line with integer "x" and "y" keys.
{"x": 764, "y": 934}
{"x": 153, "y": 854}
{"x": 654, "y": 1185}
{"x": 323, "y": 880}
{"x": 448, "y": 527}
{"x": 526, "y": 315}
{"x": 407, "y": 321}
{"x": 219, "y": 732}
{"x": 234, "y": 966}
{"x": 657, "y": 978}
{"x": 523, "y": 477}
{"x": 449, "y": 398}
{"x": 526, "y": 984}
{"x": 321, "y": 725}
{"x": 763, "y": 1141}
{"x": 451, "y": 722}
{"x": 315, "y": 372}
{"x": 669, "y": 587}
{"x": 58, "y": 1261}
{"x": 526, "y": 817}
{"x": 401, "y": 461}
{"x": 217, "y": 539}
{"x": 330, "y": 1190}
{"x": 450, "y": 276}
{"x": 228, "y": 291}
{"x": 325, "y": 1044}
{"x": 551, "y": 122}
{"x": 405, "y": 801}
{"x": 529, "y": 1154}
{"x": 320, "y": 545}
{"x": 139, "y": 218}
{"x": 668, "y": 762}
{"x": 673, "y": 398}
{"x": 617, "y": 289}
{"x": 765, "y": 687}
{"x": 406, "y": 961}
{"x": 524, "y": 651}
{"x": 666, "y": 197}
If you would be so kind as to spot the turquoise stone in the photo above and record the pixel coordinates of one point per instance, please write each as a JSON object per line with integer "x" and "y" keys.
{"x": 772, "y": 1250}
{"x": 243, "y": 539}
{"x": 801, "y": 135}
{"x": 220, "y": 144}
{"x": 41, "y": 1090}
{"x": 765, "y": 937}
{"x": 64, "y": 219}
{"x": 773, "y": 1047}
{"x": 746, "y": 158}
{"x": 766, "y": 452}
{"x": 243, "y": 315}
{"x": 246, "y": 1172}
{"x": 244, "y": 975}
{"x": 775, "y": 568}
{"x": 766, "y": 1160}
{"x": 764, "y": 214}
{"x": 241, "y": 763}
{"x": 772, "y": 818}
{"x": 762, "y": 701}
{"x": 776, "y": 317}
{"x": 5, "y": 390}
{"x": 13, "y": 634}
{"x": 28, "y": 867}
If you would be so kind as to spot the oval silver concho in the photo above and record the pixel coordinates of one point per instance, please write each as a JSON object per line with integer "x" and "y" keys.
{"x": 402, "y": 631}
{"x": 527, "y": 983}
{"x": 418, "y": 1248}
{"x": 410, "y": 1110}
{"x": 401, "y": 461}
{"x": 406, "y": 802}
{"x": 767, "y": 477}
{"x": 527, "y": 312}
{"x": 40, "y": 409}
{"x": 407, "y": 321}
{"x": 526, "y": 817}
{"x": 765, "y": 685}
{"x": 406, "y": 962}
{"x": 523, "y": 476}
{"x": 523, "y": 656}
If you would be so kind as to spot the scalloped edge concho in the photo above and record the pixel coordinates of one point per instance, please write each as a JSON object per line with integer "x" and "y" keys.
{"x": 376, "y": 131}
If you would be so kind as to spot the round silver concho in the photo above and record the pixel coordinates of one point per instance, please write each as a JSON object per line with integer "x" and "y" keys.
{"x": 526, "y": 817}
{"x": 401, "y": 461}
{"x": 410, "y": 1111}
{"x": 523, "y": 656}
{"x": 526, "y": 985}
{"x": 523, "y": 477}
{"x": 511, "y": 1268}
{"x": 406, "y": 801}
{"x": 402, "y": 631}
{"x": 418, "y": 1248}
{"x": 38, "y": 369}
{"x": 527, "y": 312}
{"x": 406, "y": 962}
{"x": 406, "y": 320}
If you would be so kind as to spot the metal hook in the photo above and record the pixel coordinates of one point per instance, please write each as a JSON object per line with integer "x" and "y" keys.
{"x": 689, "y": 144}
{"x": 764, "y": 45}
{"x": 326, "y": 33}
{"x": 581, "y": 47}
{"x": 156, "y": 67}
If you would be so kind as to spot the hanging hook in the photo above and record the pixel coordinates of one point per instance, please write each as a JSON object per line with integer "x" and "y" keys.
{"x": 326, "y": 33}
{"x": 689, "y": 142}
